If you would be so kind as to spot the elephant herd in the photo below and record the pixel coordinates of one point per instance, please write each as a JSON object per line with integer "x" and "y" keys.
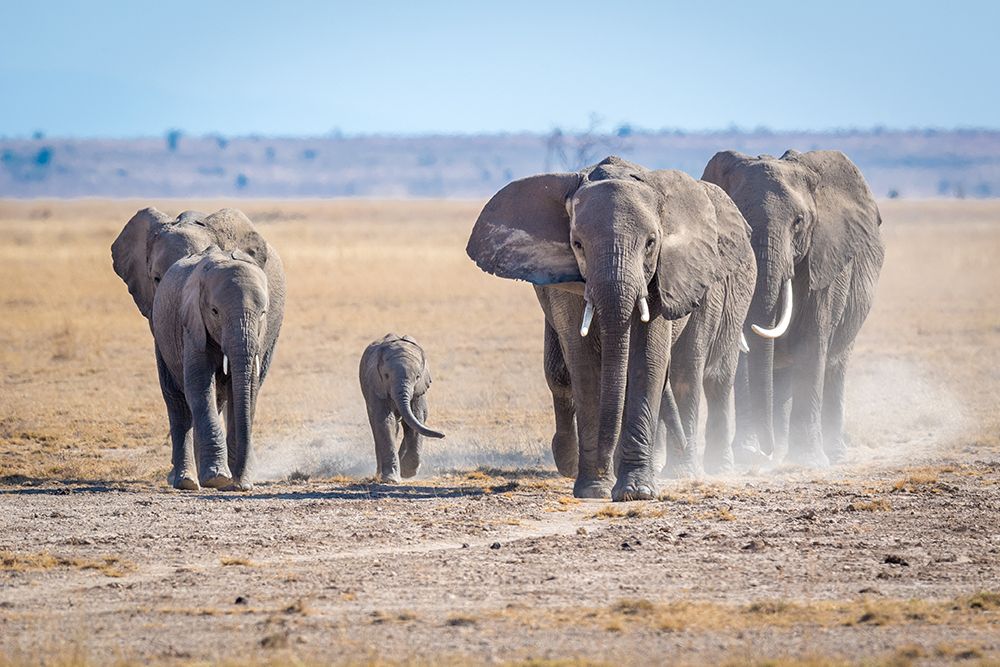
{"x": 747, "y": 287}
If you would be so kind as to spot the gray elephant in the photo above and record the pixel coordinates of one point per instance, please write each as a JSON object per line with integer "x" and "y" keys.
{"x": 395, "y": 378}
{"x": 619, "y": 256}
{"x": 817, "y": 238}
{"x": 151, "y": 242}
{"x": 209, "y": 321}
{"x": 149, "y": 245}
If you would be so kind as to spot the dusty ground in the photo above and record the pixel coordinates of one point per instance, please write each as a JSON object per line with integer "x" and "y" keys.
{"x": 891, "y": 559}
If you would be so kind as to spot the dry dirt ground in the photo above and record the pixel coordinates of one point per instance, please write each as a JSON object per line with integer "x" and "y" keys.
{"x": 891, "y": 559}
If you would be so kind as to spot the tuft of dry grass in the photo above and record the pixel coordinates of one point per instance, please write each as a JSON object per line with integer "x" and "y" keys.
{"x": 110, "y": 566}
{"x": 227, "y": 561}
{"x": 876, "y": 505}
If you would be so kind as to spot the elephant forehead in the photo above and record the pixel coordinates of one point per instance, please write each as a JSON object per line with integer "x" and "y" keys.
{"x": 607, "y": 203}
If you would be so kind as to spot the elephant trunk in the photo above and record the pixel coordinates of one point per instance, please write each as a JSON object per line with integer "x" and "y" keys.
{"x": 402, "y": 394}
{"x": 615, "y": 309}
{"x": 244, "y": 365}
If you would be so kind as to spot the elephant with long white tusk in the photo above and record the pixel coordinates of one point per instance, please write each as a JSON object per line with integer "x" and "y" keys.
{"x": 818, "y": 242}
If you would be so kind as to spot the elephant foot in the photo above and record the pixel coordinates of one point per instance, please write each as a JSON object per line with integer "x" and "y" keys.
{"x": 837, "y": 452}
{"x": 719, "y": 462}
{"x": 566, "y": 453}
{"x": 749, "y": 456}
{"x": 239, "y": 485}
{"x": 681, "y": 468}
{"x": 592, "y": 488}
{"x": 636, "y": 484}
{"x": 216, "y": 479}
{"x": 390, "y": 478}
{"x": 409, "y": 463}
{"x": 407, "y": 472}
{"x": 814, "y": 457}
{"x": 185, "y": 481}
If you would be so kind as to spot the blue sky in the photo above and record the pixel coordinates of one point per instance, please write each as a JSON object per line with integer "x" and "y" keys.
{"x": 125, "y": 69}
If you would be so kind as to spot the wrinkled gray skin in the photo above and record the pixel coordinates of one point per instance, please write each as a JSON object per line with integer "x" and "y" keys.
{"x": 626, "y": 233}
{"x": 209, "y": 306}
{"x": 814, "y": 221}
{"x": 394, "y": 381}
{"x": 150, "y": 243}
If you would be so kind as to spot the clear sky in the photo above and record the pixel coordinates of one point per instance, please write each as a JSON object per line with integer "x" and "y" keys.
{"x": 137, "y": 68}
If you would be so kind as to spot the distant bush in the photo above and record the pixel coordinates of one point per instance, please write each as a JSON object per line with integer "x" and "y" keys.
{"x": 309, "y": 154}
{"x": 43, "y": 157}
{"x": 241, "y": 181}
{"x": 173, "y": 139}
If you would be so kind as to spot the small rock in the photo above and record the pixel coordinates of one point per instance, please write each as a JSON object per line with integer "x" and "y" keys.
{"x": 754, "y": 545}
{"x": 241, "y": 600}
{"x": 495, "y": 545}
{"x": 581, "y": 531}
{"x": 870, "y": 591}
{"x": 465, "y": 545}
{"x": 627, "y": 547}
{"x": 894, "y": 559}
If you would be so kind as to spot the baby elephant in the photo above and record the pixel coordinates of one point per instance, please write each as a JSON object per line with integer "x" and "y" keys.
{"x": 394, "y": 381}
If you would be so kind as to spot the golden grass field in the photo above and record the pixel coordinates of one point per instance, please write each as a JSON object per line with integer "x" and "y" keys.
{"x": 84, "y": 455}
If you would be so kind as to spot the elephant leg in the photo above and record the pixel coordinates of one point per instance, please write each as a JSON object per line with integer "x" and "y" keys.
{"x": 384, "y": 430}
{"x": 209, "y": 437}
{"x": 565, "y": 446}
{"x": 746, "y": 448}
{"x": 649, "y": 356}
{"x": 719, "y": 425}
{"x": 183, "y": 473}
{"x": 833, "y": 409}
{"x": 409, "y": 450}
{"x": 805, "y": 441}
{"x": 782, "y": 408}
{"x": 686, "y": 379}
{"x": 677, "y": 461}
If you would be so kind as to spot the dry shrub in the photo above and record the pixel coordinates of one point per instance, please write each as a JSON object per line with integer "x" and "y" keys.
{"x": 111, "y": 566}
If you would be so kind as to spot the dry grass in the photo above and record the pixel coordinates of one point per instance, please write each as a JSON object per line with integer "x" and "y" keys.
{"x": 110, "y": 566}
{"x": 235, "y": 560}
{"x": 81, "y": 399}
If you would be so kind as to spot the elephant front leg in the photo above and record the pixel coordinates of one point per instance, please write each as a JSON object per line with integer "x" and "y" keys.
{"x": 805, "y": 435}
{"x": 409, "y": 450}
{"x": 833, "y": 410}
{"x": 209, "y": 436}
{"x": 649, "y": 357}
{"x": 183, "y": 474}
{"x": 565, "y": 446}
{"x": 384, "y": 429}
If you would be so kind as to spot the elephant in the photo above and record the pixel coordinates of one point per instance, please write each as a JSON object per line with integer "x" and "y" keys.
{"x": 394, "y": 379}
{"x": 634, "y": 252}
{"x": 817, "y": 239}
{"x": 149, "y": 245}
{"x": 151, "y": 242}
{"x": 210, "y": 327}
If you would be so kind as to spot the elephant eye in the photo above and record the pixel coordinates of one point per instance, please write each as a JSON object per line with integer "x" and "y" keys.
{"x": 215, "y": 311}
{"x": 798, "y": 222}
{"x": 650, "y": 243}
{"x": 156, "y": 281}
{"x": 577, "y": 245}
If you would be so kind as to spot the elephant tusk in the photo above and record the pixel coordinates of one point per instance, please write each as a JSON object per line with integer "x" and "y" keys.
{"x": 744, "y": 346}
{"x": 786, "y": 315}
{"x": 225, "y": 365}
{"x": 643, "y": 309}
{"x": 256, "y": 366}
{"x": 588, "y": 316}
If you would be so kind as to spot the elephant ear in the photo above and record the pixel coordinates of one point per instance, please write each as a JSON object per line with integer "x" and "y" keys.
{"x": 689, "y": 261}
{"x": 234, "y": 231}
{"x": 733, "y": 231}
{"x": 129, "y": 255}
{"x": 723, "y": 169}
{"x": 523, "y": 231}
{"x": 847, "y": 216}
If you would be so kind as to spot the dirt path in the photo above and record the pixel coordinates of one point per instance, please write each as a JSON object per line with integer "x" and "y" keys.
{"x": 891, "y": 564}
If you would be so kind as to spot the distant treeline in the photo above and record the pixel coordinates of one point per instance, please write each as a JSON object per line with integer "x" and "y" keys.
{"x": 911, "y": 163}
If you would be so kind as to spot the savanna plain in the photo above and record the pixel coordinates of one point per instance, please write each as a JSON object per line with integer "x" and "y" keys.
{"x": 485, "y": 557}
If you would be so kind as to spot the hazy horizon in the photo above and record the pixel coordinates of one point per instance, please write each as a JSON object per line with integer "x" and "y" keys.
{"x": 115, "y": 69}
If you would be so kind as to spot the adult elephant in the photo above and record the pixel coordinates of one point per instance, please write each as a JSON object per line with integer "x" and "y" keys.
{"x": 817, "y": 238}
{"x": 151, "y": 242}
{"x": 618, "y": 254}
{"x": 209, "y": 322}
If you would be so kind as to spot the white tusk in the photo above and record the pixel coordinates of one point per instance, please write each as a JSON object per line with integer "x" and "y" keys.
{"x": 225, "y": 365}
{"x": 588, "y": 316}
{"x": 256, "y": 366}
{"x": 786, "y": 315}
{"x": 643, "y": 309}
{"x": 744, "y": 347}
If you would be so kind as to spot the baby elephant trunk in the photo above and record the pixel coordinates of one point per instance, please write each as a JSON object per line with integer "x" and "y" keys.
{"x": 403, "y": 396}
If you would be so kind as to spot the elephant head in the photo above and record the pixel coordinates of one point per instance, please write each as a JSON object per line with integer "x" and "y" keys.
{"x": 623, "y": 231}
{"x": 402, "y": 368}
{"x": 151, "y": 242}
{"x": 224, "y": 307}
{"x": 810, "y": 214}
